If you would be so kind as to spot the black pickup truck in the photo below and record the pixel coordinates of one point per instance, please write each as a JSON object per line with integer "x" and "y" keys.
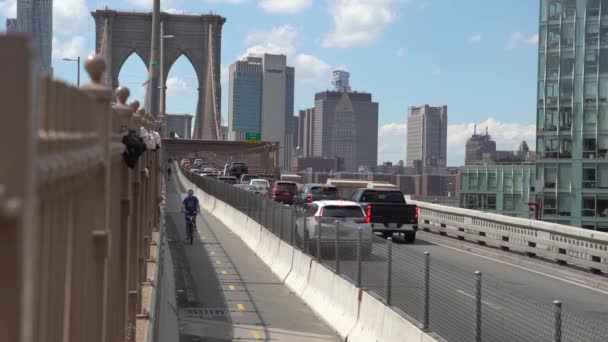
{"x": 388, "y": 212}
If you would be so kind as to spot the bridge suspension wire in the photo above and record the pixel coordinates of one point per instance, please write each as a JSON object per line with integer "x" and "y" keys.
{"x": 103, "y": 50}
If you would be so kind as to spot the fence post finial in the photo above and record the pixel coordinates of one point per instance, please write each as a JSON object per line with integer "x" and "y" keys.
{"x": 122, "y": 94}
{"x": 95, "y": 66}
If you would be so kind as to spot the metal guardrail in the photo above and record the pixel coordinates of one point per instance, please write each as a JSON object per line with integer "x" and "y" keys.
{"x": 451, "y": 303}
{"x": 565, "y": 244}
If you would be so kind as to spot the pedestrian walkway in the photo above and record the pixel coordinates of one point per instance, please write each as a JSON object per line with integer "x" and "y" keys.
{"x": 225, "y": 292}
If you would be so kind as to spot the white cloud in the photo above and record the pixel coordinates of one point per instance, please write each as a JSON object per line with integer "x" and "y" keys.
{"x": 437, "y": 71}
{"x": 517, "y": 38}
{"x": 358, "y": 22}
{"x": 310, "y": 69}
{"x": 177, "y": 86}
{"x": 401, "y": 52}
{"x": 476, "y": 38}
{"x": 224, "y": 73}
{"x": 8, "y": 8}
{"x": 392, "y": 142}
{"x": 284, "y": 6}
{"x": 70, "y": 16}
{"x": 279, "y": 40}
{"x": 232, "y": 2}
{"x": 392, "y": 138}
{"x": 72, "y": 48}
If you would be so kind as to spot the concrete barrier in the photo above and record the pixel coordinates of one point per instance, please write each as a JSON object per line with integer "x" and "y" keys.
{"x": 282, "y": 265}
{"x": 333, "y": 298}
{"x": 297, "y": 280}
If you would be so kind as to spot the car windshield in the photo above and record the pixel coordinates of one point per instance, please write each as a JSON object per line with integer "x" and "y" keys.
{"x": 324, "y": 190}
{"x": 383, "y": 197}
{"x": 286, "y": 186}
{"x": 238, "y": 164}
{"x": 343, "y": 211}
{"x": 259, "y": 183}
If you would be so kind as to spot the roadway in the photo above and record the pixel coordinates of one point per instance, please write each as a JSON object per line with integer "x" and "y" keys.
{"x": 517, "y": 293}
{"x": 219, "y": 290}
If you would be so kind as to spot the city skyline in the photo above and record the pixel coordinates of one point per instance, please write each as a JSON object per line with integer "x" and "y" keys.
{"x": 409, "y": 67}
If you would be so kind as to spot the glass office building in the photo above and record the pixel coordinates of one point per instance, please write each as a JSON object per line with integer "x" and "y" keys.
{"x": 572, "y": 113}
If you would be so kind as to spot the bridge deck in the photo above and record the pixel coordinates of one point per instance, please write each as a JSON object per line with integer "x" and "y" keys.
{"x": 225, "y": 292}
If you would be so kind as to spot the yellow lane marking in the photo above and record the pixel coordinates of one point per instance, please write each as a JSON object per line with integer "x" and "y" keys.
{"x": 256, "y": 334}
{"x": 240, "y": 306}
{"x": 231, "y": 287}
{"x": 212, "y": 253}
{"x": 224, "y": 272}
{"x": 218, "y": 262}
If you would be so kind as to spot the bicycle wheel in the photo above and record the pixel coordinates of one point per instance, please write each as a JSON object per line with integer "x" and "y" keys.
{"x": 191, "y": 232}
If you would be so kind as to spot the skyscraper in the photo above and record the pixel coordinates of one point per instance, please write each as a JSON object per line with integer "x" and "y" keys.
{"x": 427, "y": 133}
{"x": 306, "y": 126}
{"x": 11, "y": 25}
{"x": 260, "y": 100}
{"x": 477, "y": 146}
{"x": 572, "y": 113}
{"x": 35, "y": 17}
{"x": 336, "y": 112}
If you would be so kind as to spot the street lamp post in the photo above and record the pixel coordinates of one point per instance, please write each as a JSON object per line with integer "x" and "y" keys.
{"x": 77, "y": 60}
{"x": 162, "y": 87}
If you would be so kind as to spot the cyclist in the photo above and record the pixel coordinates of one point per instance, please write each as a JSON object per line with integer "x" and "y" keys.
{"x": 191, "y": 207}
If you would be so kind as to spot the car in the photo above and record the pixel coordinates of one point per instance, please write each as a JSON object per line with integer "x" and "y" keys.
{"x": 282, "y": 192}
{"x": 246, "y": 178}
{"x": 316, "y": 192}
{"x": 319, "y": 223}
{"x": 388, "y": 212}
{"x": 225, "y": 171}
{"x": 237, "y": 169}
{"x": 247, "y": 187}
{"x": 193, "y": 170}
{"x": 227, "y": 179}
{"x": 262, "y": 185}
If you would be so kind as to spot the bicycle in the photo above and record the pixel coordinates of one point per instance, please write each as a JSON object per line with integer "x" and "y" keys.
{"x": 190, "y": 227}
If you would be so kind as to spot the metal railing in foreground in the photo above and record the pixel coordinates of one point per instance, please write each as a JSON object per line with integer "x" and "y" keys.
{"x": 565, "y": 244}
{"x": 75, "y": 221}
{"x": 454, "y": 304}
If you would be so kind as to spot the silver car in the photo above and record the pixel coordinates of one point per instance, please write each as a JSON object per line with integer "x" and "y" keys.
{"x": 320, "y": 221}
{"x": 262, "y": 186}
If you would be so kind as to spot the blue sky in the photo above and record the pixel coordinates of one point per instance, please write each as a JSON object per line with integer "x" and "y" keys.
{"x": 478, "y": 57}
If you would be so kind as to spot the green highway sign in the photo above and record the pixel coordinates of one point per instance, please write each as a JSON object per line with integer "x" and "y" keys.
{"x": 253, "y": 138}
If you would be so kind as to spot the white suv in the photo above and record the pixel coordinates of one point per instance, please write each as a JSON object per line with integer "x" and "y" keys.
{"x": 320, "y": 220}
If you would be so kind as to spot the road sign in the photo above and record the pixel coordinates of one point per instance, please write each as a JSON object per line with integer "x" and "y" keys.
{"x": 253, "y": 138}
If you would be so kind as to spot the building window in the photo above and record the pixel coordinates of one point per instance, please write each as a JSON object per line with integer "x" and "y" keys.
{"x": 565, "y": 177}
{"x": 589, "y": 118}
{"x": 553, "y": 38}
{"x": 566, "y": 91}
{"x": 591, "y": 62}
{"x": 550, "y": 176}
{"x": 589, "y": 177}
{"x": 602, "y": 146}
{"x": 602, "y": 205}
{"x": 553, "y": 65}
{"x": 589, "y": 148}
{"x": 551, "y": 120}
{"x": 602, "y": 176}
{"x": 604, "y": 90}
{"x": 471, "y": 201}
{"x": 592, "y": 34}
{"x": 549, "y": 206}
{"x": 508, "y": 182}
{"x": 569, "y": 9}
{"x": 565, "y": 205}
{"x": 551, "y": 148}
{"x": 568, "y": 35}
{"x": 555, "y": 9}
{"x": 604, "y": 33}
{"x": 588, "y": 207}
{"x": 507, "y": 202}
{"x": 491, "y": 202}
{"x": 541, "y": 93}
{"x": 492, "y": 181}
{"x": 565, "y": 118}
{"x": 565, "y": 148}
{"x": 593, "y": 8}
{"x": 567, "y": 64}
{"x": 552, "y": 93}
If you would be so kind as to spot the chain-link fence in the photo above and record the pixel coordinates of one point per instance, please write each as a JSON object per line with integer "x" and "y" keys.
{"x": 456, "y": 305}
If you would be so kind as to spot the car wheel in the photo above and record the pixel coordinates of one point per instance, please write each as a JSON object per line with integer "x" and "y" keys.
{"x": 387, "y": 235}
{"x": 410, "y": 238}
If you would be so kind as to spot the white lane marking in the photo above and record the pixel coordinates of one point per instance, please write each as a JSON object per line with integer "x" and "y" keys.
{"x": 575, "y": 279}
{"x": 490, "y": 304}
{"x": 524, "y": 268}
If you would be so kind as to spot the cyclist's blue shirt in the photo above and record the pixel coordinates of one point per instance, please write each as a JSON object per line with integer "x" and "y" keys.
{"x": 191, "y": 205}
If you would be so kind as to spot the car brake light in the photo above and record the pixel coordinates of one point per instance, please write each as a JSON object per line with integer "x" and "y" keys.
{"x": 318, "y": 217}
{"x": 416, "y": 213}
{"x": 309, "y": 198}
{"x": 368, "y": 213}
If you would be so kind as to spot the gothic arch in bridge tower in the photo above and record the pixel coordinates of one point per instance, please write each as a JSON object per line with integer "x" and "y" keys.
{"x": 198, "y": 37}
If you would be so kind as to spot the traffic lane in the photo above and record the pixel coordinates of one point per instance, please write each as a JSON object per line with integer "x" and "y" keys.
{"x": 516, "y": 279}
